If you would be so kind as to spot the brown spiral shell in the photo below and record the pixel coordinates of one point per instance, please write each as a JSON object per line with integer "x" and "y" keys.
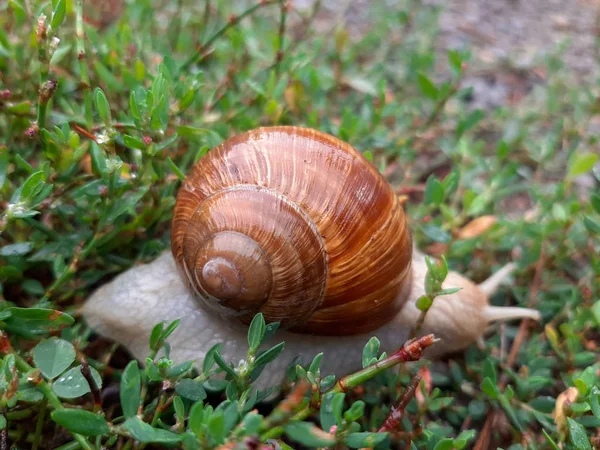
{"x": 298, "y": 225}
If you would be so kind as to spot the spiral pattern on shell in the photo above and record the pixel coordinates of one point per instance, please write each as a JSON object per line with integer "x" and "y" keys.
{"x": 298, "y": 225}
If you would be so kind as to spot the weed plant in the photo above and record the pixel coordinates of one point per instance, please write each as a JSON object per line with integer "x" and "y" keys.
{"x": 104, "y": 106}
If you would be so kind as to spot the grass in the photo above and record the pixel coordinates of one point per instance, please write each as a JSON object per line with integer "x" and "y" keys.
{"x": 103, "y": 111}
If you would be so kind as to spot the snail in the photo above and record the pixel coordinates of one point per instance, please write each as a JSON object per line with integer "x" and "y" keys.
{"x": 298, "y": 225}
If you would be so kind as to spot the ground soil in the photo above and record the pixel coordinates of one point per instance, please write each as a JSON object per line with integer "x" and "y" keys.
{"x": 509, "y": 39}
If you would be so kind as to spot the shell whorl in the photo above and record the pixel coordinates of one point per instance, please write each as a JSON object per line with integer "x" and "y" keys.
{"x": 296, "y": 224}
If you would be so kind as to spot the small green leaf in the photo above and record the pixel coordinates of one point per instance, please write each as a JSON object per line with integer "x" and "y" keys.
{"x": 463, "y": 439}
{"x": 456, "y": 61}
{"x": 187, "y": 99}
{"x": 440, "y": 403}
{"x": 32, "y": 187}
{"x": 580, "y": 163}
{"x": 502, "y": 149}
{"x": 361, "y": 84}
{"x": 330, "y": 413}
{"x": 81, "y": 421}
{"x": 252, "y": 423}
{"x": 171, "y": 328}
{"x": 3, "y": 165}
{"x": 256, "y": 332}
{"x": 594, "y": 200}
{"x": 595, "y": 309}
{"x": 130, "y": 389}
{"x": 434, "y": 191}
{"x": 190, "y": 389}
{"x": 126, "y": 204}
{"x": 435, "y": 233}
{"x": 595, "y": 401}
{"x": 469, "y": 122}
{"x": 179, "y": 408}
{"x": 489, "y": 370}
{"x": 449, "y": 291}
{"x": 58, "y": 14}
{"x": 216, "y": 427}
{"x": 585, "y": 380}
{"x": 19, "y": 10}
{"x": 32, "y": 322}
{"x": 29, "y": 395}
{"x": 20, "y": 109}
{"x": 427, "y": 87}
{"x": 98, "y": 158}
{"x": 489, "y": 388}
{"x": 133, "y": 106}
{"x": 102, "y": 106}
{"x": 133, "y": 142}
{"x": 364, "y": 440}
{"x": 16, "y": 249}
{"x": 209, "y": 359}
{"x": 308, "y": 435}
{"x": 212, "y": 137}
{"x": 370, "y": 351}
{"x": 156, "y": 335}
{"x": 578, "y": 435}
{"x": 444, "y": 444}
{"x": 550, "y": 440}
{"x": 315, "y": 365}
{"x": 269, "y": 355}
{"x": 72, "y": 384}
{"x": 176, "y": 170}
{"x": 144, "y": 432}
{"x": 424, "y": 302}
{"x": 53, "y": 356}
{"x": 270, "y": 330}
{"x": 223, "y": 365}
{"x": 196, "y": 418}
{"x": 180, "y": 369}
{"x": 257, "y": 88}
{"x": 592, "y": 225}
{"x": 508, "y": 409}
{"x": 327, "y": 383}
{"x": 355, "y": 411}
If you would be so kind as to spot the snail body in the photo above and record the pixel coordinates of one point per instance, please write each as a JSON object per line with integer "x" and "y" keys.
{"x": 299, "y": 226}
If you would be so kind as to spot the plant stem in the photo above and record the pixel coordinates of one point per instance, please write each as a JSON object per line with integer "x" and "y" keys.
{"x": 162, "y": 401}
{"x": 281, "y": 36}
{"x": 43, "y": 36}
{"x": 70, "y": 446}
{"x": 83, "y": 68}
{"x": 233, "y": 21}
{"x": 411, "y": 351}
{"x": 71, "y": 269}
{"x": 39, "y": 426}
{"x": 392, "y": 421}
{"x": 19, "y": 414}
{"x": 205, "y": 18}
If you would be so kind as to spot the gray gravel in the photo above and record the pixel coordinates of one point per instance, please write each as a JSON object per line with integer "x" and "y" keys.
{"x": 522, "y": 30}
{"x": 508, "y": 39}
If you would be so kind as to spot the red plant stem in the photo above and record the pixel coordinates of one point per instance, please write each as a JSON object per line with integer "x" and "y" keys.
{"x": 411, "y": 351}
{"x": 392, "y": 421}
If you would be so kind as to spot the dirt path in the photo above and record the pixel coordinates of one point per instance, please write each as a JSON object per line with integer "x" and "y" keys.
{"x": 522, "y": 30}
{"x": 508, "y": 39}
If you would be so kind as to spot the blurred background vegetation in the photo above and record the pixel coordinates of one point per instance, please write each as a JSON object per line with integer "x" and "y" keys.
{"x": 104, "y": 106}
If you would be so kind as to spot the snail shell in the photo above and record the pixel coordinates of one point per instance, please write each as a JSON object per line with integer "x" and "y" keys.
{"x": 298, "y": 225}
